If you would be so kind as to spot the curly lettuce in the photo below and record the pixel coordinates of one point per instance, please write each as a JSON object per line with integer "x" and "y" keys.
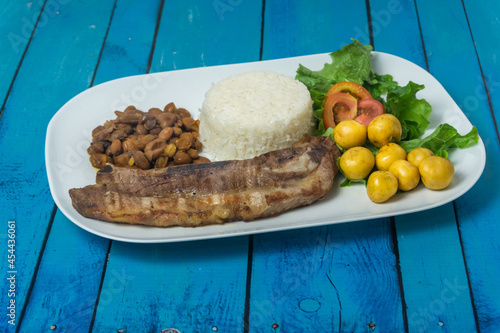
{"x": 353, "y": 63}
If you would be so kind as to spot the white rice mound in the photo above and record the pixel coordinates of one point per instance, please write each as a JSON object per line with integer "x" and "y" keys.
{"x": 248, "y": 114}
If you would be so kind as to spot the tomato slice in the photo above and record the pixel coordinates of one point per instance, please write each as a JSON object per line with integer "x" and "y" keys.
{"x": 338, "y": 107}
{"x": 351, "y": 88}
{"x": 368, "y": 109}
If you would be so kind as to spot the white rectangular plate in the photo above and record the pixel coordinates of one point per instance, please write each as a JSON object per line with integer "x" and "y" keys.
{"x": 69, "y": 135}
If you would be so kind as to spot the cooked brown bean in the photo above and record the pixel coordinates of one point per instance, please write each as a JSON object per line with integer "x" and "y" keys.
{"x": 96, "y": 148}
{"x": 143, "y": 140}
{"x": 181, "y": 157}
{"x": 140, "y": 129}
{"x": 166, "y": 120}
{"x": 178, "y": 123}
{"x": 170, "y": 150}
{"x": 102, "y": 134}
{"x": 152, "y": 155}
{"x": 188, "y": 123}
{"x": 150, "y": 123}
{"x": 193, "y": 153}
{"x": 198, "y": 145}
{"x": 161, "y": 162}
{"x": 188, "y": 136}
{"x": 170, "y": 107}
{"x": 155, "y": 144}
{"x": 183, "y": 112}
{"x": 155, "y": 111}
{"x": 129, "y": 145}
{"x": 115, "y": 148}
{"x": 177, "y": 131}
{"x": 155, "y": 131}
{"x": 130, "y": 109}
{"x": 99, "y": 160}
{"x": 166, "y": 133}
{"x": 183, "y": 144}
{"x": 118, "y": 134}
{"x": 121, "y": 160}
{"x": 195, "y": 135}
{"x": 129, "y": 118}
{"x": 140, "y": 160}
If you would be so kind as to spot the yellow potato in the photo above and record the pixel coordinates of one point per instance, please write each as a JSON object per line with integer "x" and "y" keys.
{"x": 436, "y": 172}
{"x": 357, "y": 162}
{"x": 350, "y": 133}
{"x": 388, "y": 154}
{"x": 384, "y": 129}
{"x": 381, "y": 186}
{"x": 417, "y": 155}
{"x": 407, "y": 174}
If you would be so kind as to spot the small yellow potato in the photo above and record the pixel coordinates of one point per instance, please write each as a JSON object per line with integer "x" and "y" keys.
{"x": 384, "y": 129}
{"x": 357, "y": 163}
{"x": 350, "y": 133}
{"x": 417, "y": 155}
{"x": 436, "y": 172}
{"x": 381, "y": 186}
{"x": 407, "y": 174}
{"x": 388, "y": 154}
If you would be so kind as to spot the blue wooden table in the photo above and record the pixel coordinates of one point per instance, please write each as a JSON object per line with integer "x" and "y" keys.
{"x": 433, "y": 271}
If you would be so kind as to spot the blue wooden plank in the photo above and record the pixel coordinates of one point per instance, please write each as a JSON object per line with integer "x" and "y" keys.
{"x": 478, "y": 211}
{"x": 337, "y": 278}
{"x": 195, "y": 286}
{"x": 76, "y": 310}
{"x": 207, "y": 33}
{"x": 326, "y": 31}
{"x": 68, "y": 280}
{"x": 128, "y": 45}
{"x": 340, "y": 278}
{"x": 191, "y": 286}
{"x": 48, "y": 77}
{"x": 16, "y": 27}
{"x": 428, "y": 275}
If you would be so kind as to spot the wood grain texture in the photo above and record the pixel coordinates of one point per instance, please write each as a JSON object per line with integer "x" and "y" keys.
{"x": 477, "y": 210}
{"x": 336, "y": 278}
{"x": 207, "y": 33}
{"x": 194, "y": 286}
{"x": 70, "y": 249}
{"x": 67, "y": 281}
{"x": 129, "y": 41}
{"x": 432, "y": 266}
{"x": 16, "y": 27}
{"x": 191, "y": 286}
{"x": 287, "y": 23}
{"x": 48, "y": 77}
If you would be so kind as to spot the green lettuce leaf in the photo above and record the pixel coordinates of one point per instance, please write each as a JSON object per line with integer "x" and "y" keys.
{"x": 444, "y": 137}
{"x": 413, "y": 113}
{"x": 351, "y": 63}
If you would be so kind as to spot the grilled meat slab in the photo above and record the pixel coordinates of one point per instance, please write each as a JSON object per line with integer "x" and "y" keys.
{"x": 210, "y": 193}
